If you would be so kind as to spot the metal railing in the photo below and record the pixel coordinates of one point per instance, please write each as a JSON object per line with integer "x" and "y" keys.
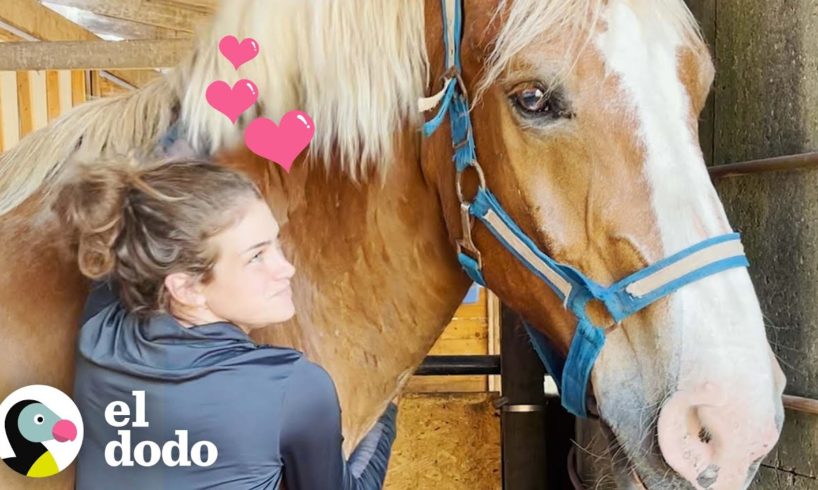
{"x": 487, "y": 365}
{"x": 775, "y": 164}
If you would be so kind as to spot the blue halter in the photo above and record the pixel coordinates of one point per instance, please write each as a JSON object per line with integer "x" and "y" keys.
{"x": 622, "y": 299}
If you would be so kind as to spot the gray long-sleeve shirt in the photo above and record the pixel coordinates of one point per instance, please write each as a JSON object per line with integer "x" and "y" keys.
{"x": 272, "y": 414}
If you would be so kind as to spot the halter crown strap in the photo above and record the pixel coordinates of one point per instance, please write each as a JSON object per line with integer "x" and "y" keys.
{"x": 622, "y": 299}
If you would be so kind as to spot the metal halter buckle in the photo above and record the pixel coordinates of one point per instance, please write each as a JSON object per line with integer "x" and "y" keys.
{"x": 466, "y": 243}
{"x": 466, "y": 219}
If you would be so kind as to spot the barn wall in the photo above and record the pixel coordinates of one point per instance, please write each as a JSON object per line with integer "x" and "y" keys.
{"x": 30, "y": 100}
{"x": 766, "y": 104}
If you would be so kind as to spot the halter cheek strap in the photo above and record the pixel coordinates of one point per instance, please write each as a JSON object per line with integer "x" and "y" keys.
{"x": 622, "y": 299}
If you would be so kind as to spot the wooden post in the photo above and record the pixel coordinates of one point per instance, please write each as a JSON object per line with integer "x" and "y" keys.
{"x": 536, "y": 430}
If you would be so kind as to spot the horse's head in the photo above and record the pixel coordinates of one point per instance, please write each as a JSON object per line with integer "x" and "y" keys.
{"x": 585, "y": 125}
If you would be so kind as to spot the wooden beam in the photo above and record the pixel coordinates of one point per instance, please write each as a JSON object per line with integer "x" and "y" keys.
{"x": 6, "y": 36}
{"x": 107, "y": 89}
{"x": 108, "y": 26}
{"x": 91, "y": 55}
{"x": 206, "y": 6}
{"x": 142, "y": 11}
{"x": 44, "y": 24}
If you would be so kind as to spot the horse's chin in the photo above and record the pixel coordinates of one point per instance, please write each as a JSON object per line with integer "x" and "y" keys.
{"x": 622, "y": 467}
{"x": 649, "y": 473}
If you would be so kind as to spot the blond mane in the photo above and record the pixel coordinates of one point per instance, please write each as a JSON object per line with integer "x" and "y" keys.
{"x": 357, "y": 67}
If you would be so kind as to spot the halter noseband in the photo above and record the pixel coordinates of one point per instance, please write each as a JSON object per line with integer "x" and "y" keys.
{"x": 575, "y": 290}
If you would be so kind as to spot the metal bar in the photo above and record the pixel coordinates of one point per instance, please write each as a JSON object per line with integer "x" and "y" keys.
{"x": 775, "y": 164}
{"x": 459, "y": 365}
{"x": 486, "y": 365}
{"x": 800, "y": 404}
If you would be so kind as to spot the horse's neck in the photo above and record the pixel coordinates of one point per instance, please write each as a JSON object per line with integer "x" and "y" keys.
{"x": 376, "y": 278}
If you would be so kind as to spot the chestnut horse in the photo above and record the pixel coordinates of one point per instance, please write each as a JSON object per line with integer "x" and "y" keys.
{"x": 585, "y": 123}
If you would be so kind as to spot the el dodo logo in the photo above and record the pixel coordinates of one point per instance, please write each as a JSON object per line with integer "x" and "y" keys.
{"x": 148, "y": 453}
{"x": 41, "y": 432}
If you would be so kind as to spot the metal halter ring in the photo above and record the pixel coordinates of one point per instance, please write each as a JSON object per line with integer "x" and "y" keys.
{"x": 459, "y": 178}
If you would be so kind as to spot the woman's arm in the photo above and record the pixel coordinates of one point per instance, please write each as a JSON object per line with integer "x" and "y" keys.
{"x": 311, "y": 438}
{"x": 101, "y": 294}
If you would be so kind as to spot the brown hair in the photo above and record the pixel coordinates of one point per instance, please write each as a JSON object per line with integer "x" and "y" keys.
{"x": 135, "y": 224}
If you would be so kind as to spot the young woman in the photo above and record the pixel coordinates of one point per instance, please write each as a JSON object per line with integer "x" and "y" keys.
{"x": 191, "y": 263}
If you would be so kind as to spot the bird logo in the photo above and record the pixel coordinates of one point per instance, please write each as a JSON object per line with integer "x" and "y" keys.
{"x": 43, "y": 431}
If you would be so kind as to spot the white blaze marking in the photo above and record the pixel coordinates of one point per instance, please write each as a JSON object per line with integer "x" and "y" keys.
{"x": 643, "y": 54}
{"x": 718, "y": 314}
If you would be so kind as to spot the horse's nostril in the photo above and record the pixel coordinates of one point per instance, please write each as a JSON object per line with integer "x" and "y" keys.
{"x": 705, "y": 436}
{"x": 708, "y": 476}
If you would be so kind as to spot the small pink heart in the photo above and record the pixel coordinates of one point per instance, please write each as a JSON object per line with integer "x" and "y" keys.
{"x": 232, "y": 102}
{"x": 283, "y": 143}
{"x": 238, "y": 53}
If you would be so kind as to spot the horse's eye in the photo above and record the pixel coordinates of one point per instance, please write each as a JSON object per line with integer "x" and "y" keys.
{"x": 532, "y": 100}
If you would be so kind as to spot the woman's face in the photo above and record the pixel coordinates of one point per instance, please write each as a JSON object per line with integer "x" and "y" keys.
{"x": 251, "y": 278}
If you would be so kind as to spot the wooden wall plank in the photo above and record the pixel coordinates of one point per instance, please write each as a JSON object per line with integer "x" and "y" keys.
{"x": 108, "y": 88}
{"x": 39, "y": 106}
{"x": 1, "y": 124}
{"x": 52, "y": 92}
{"x": 10, "y": 112}
{"x": 78, "y": 89}
{"x": 466, "y": 334}
{"x": 447, "y": 384}
{"x": 95, "y": 86}
{"x": 64, "y": 80}
{"x": 493, "y": 318}
{"x": 24, "y": 103}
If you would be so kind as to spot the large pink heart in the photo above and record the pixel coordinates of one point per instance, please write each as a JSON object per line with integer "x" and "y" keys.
{"x": 232, "y": 102}
{"x": 238, "y": 53}
{"x": 283, "y": 143}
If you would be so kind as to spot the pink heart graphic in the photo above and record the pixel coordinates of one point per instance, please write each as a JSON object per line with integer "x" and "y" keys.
{"x": 232, "y": 102}
{"x": 283, "y": 143}
{"x": 238, "y": 53}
